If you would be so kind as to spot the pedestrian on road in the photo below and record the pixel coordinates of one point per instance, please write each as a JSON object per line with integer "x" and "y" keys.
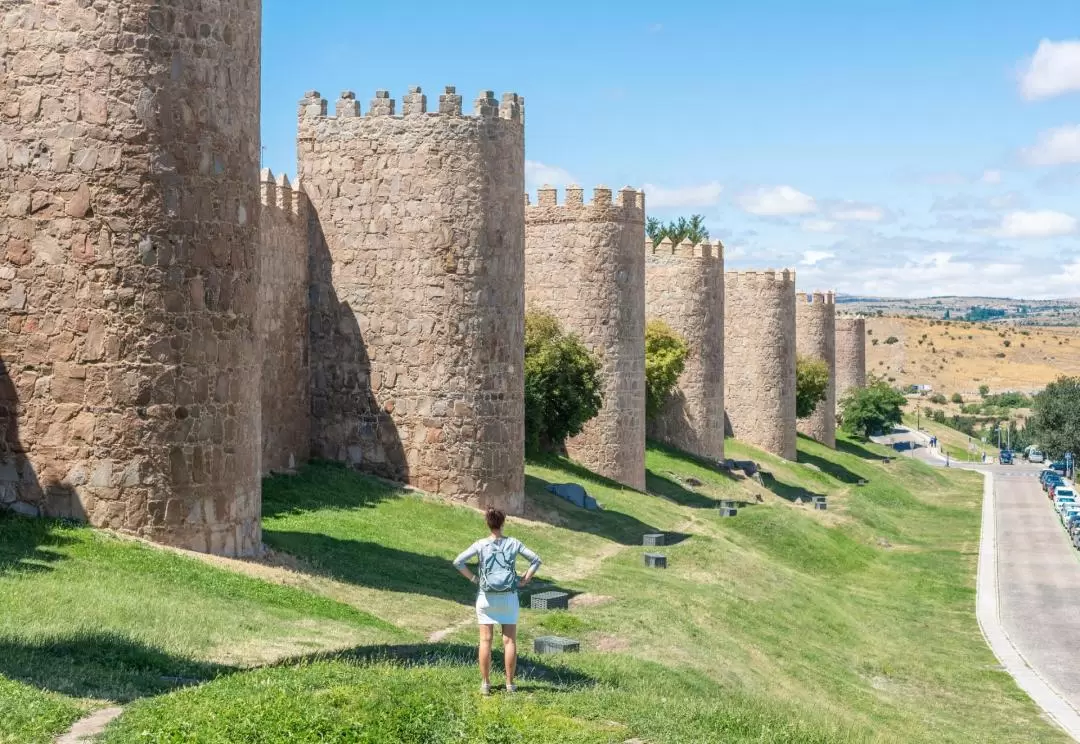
{"x": 497, "y": 597}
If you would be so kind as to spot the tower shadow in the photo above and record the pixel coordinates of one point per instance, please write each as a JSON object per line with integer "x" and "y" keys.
{"x": 348, "y": 424}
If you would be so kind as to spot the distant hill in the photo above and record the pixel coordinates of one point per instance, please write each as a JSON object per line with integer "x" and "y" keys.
{"x": 958, "y": 357}
{"x": 1014, "y": 311}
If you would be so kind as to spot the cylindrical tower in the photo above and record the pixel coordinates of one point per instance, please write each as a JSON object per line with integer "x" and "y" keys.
{"x": 759, "y": 359}
{"x": 684, "y": 287}
{"x": 850, "y": 354}
{"x": 129, "y": 189}
{"x": 584, "y": 263}
{"x": 815, "y": 330}
{"x": 417, "y": 315}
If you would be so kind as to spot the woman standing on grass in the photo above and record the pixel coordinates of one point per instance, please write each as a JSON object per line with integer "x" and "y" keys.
{"x": 497, "y": 599}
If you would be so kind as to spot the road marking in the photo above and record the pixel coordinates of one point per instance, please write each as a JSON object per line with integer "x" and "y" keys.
{"x": 987, "y": 611}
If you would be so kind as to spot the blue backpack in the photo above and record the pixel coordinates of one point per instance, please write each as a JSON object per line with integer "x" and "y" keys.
{"x": 497, "y": 571}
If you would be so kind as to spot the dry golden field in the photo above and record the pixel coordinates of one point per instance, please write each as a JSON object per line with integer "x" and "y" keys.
{"x": 954, "y": 356}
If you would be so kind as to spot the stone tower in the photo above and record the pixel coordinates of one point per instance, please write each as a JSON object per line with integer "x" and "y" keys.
{"x": 129, "y": 194}
{"x": 584, "y": 263}
{"x": 815, "y": 329}
{"x": 759, "y": 359}
{"x": 850, "y": 354}
{"x": 417, "y": 290}
{"x": 684, "y": 287}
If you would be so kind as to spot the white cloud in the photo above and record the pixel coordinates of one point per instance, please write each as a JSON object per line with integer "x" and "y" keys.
{"x": 819, "y": 226}
{"x": 809, "y": 258}
{"x": 1055, "y": 147}
{"x": 541, "y": 174}
{"x": 1054, "y": 69}
{"x": 1043, "y": 223}
{"x": 704, "y": 195}
{"x": 991, "y": 176}
{"x": 851, "y": 212}
{"x": 777, "y": 201}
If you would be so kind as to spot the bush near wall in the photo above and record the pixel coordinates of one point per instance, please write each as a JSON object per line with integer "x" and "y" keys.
{"x": 665, "y": 359}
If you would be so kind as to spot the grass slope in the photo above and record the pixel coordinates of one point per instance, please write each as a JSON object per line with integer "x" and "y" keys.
{"x": 783, "y": 624}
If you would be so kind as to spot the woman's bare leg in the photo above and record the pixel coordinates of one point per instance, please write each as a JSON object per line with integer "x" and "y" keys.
{"x": 485, "y": 652}
{"x": 509, "y": 634}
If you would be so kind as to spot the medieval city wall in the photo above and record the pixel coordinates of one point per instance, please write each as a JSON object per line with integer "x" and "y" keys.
{"x": 584, "y": 263}
{"x": 759, "y": 359}
{"x": 684, "y": 287}
{"x": 282, "y": 324}
{"x": 850, "y": 354}
{"x": 815, "y": 329}
{"x": 129, "y": 151}
{"x": 417, "y": 317}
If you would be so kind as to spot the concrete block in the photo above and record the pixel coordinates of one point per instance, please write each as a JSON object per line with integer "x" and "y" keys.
{"x": 655, "y": 560}
{"x": 821, "y": 505}
{"x": 727, "y": 504}
{"x": 550, "y": 601}
{"x": 653, "y": 539}
{"x": 726, "y": 511}
{"x": 555, "y": 645}
{"x": 572, "y": 492}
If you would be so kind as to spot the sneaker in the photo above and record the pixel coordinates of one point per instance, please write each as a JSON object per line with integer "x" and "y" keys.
{"x": 511, "y": 688}
{"x": 485, "y": 689}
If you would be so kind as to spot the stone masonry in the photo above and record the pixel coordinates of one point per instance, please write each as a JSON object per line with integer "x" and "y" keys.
{"x": 815, "y": 333}
{"x": 759, "y": 359}
{"x": 584, "y": 263}
{"x": 282, "y": 324}
{"x": 129, "y": 151}
{"x": 850, "y": 354}
{"x": 417, "y": 327}
{"x": 684, "y": 287}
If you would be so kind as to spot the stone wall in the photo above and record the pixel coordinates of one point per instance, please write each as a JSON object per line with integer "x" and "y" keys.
{"x": 815, "y": 329}
{"x": 850, "y": 355}
{"x": 417, "y": 327}
{"x": 759, "y": 359}
{"x": 282, "y": 324}
{"x": 684, "y": 287}
{"x": 129, "y": 151}
{"x": 584, "y": 263}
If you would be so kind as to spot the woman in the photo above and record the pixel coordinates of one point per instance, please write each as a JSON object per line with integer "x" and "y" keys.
{"x": 497, "y": 599}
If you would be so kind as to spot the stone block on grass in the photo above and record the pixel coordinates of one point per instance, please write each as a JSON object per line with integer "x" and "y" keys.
{"x": 727, "y": 511}
{"x": 571, "y": 492}
{"x": 555, "y": 645}
{"x": 655, "y": 560}
{"x": 550, "y": 601}
{"x": 653, "y": 539}
{"x": 821, "y": 505}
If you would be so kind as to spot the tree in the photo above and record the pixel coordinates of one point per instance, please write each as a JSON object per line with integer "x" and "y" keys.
{"x": 692, "y": 229}
{"x": 957, "y": 398}
{"x": 938, "y": 398}
{"x": 1055, "y": 419}
{"x": 984, "y": 390}
{"x": 872, "y": 409}
{"x": 665, "y": 359}
{"x": 811, "y": 384}
{"x": 562, "y": 383}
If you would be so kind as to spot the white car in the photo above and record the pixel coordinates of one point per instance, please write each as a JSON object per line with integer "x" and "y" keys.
{"x": 1061, "y": 503}
{"x": 1036, "y": 456}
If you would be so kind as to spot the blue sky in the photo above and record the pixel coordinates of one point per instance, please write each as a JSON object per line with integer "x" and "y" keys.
{"x": 891, "y": 148}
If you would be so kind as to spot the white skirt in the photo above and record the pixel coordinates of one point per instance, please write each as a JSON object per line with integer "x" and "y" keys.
{"x": 497, "y": 609}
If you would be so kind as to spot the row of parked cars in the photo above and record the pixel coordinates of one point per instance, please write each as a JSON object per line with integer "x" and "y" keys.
{"x": 1064, "y": 497}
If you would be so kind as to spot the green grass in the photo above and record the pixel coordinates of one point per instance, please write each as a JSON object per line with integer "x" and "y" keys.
{"x": 783, "y": 624}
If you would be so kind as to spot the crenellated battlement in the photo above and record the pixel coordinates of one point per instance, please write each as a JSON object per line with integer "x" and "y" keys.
{"x": 628, "y": 205}
{"x": 279, "y": 194}
{"x": 819, "y": 298}
{"x": 685, "y": 249}
{"x": 415, "y": 103}
{"x": 781, "y": 276}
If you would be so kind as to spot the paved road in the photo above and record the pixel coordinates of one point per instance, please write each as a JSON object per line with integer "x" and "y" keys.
{"x": 1038, "y": 580}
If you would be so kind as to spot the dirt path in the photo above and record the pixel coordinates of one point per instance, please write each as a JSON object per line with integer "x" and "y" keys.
{"x": 86, "y": 729}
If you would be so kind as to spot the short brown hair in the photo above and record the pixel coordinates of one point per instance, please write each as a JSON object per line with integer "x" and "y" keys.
{"x": 494, "y": 518}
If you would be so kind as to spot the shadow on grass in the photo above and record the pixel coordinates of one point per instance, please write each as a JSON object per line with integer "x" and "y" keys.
{"x": 837, "y": 471}
{"x": 322, "y": 485}
{"x": 787, "y": 491}
{"x": 101, "y": 665}
{"x": 456, "y": 654}
{"x": 853, "y": 448}
{"x": 29, "y": 545}
{"x": 373, "y": 565}
{"x": 612, "y": 525}
{"x": 677, "y": 492}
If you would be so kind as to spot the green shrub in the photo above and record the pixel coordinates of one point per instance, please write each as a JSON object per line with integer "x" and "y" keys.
{"x": 665, "y": 358}
{"x": 562, "y": 383}
{"x": 938, "y": 398}
{"x": 957, "y": 399}
{"x": 872, "y": 409}
{"x": 892, "y": 340}
{"x": 811, "y": 384}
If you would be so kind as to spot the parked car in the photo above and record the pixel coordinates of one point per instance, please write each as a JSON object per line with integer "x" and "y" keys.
{"x": 1043, "y": 475}
{"x": 1067, "y": 510}
{"x": 1036, "y": 456}
{"x": 1058, "y": 466}
{"x": 1056, "y": 488}
{"x": 1076, "y": 540}
{"x": 1005, "y": 457}
{"x": 1072, "y": 521}
{"x": 1061, "y": 504}
{"x": 1051, "y": 482}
